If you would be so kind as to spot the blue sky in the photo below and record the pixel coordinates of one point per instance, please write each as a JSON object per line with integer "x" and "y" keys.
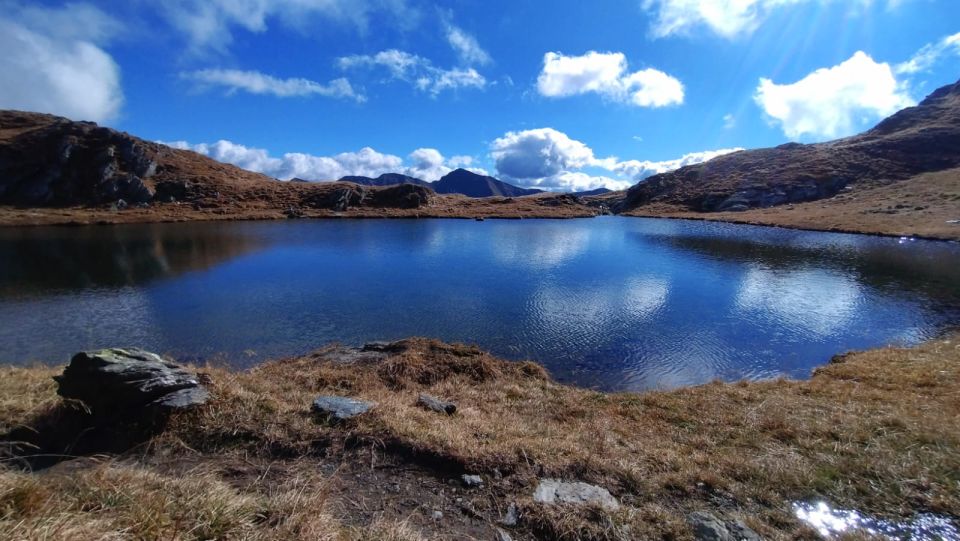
{"x": 560, "y": 95}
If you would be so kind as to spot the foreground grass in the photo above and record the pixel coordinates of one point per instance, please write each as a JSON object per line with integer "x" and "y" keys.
{"x": 877, "y": 431}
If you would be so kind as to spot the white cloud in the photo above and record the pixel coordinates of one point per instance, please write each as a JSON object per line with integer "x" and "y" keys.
{"x": 578, "y": 181}
{"x": 255, "y": 82}
{"x": 400, "y": 64}
{"x": 209, "y": 25}
{"x": 549, "y": 159}
{"x": 416, "y": 70}
{"x": 927, "y": 56}
{"x": 427, "y": 164}
{"x": 606, "y": 74}
{"x": 53, "y": 61}
{"x": 834, "y": 102}
{"x": 466, "y": 47}
{"x": 729, "y": 121}
{"x": 639, "y": 170}
{"x": 726, "y": 18}
{"x": 424, "y": 163}
{"x": 539, "y": 153}
{"x": 439, "y": 80}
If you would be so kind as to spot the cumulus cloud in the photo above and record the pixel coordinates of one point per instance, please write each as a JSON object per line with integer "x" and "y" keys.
{"x": 578, "y": 181}
{"x": 209, "y": 25}
{"x": 53, "y": 61}
{"x": 549, "y": 159}
{"x": 639, "y": 170}
{"x": 466, "y": 46}
{"x": 836, "y": 101}
{"x": 424, "y": 163}
{"x": 255, "y": 82}
{"x": 607, "y": 74}
{"x": 927, "y": 56}
{"x": 416, "y": 70}
{"x": 539, "y": 153}
{"x": 726, "y": 18}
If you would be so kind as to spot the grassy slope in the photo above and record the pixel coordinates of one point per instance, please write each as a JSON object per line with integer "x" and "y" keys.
{"x": 920, "y": 206}
{"x": 877, "y": 431}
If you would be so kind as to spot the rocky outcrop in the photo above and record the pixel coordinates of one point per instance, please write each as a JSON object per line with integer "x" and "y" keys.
{"x": 346, "y": 196}
{"x": 65, "y": 162}
{"x": 340, "y": 408}
{"x": 915, "y": 140}
{"x": 339, "y": 199}
{"x": 404, "y": 196}
{"x": 129, "y": 382}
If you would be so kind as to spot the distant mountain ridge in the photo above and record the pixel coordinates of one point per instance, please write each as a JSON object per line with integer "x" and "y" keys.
{"x": 916, "y": 140}
{"x": 386, "y": 179}
{"x": 459, "y": 181}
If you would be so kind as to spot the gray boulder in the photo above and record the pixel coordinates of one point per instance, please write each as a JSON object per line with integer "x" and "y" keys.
{"x": 553, "y": 491}
{"x": 127, "y": 381}
{"x": 340, "y": 408}
{"x": 708, "y": 527}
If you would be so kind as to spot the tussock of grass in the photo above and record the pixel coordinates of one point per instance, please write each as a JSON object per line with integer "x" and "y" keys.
{"x": 877, "y": 431}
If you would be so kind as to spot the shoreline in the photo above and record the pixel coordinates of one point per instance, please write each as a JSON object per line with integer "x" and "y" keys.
{"x": 858, "y": 434}
{"x": 46, "y": 220}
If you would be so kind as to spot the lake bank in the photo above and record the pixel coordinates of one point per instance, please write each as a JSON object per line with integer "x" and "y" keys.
{"x": 926, "y": 206}
{"x": 875, "y": 431}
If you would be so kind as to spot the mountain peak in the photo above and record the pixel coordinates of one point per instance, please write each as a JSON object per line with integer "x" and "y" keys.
{"x": 466, "y": 182}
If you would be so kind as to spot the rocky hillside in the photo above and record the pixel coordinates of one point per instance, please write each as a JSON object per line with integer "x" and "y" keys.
{"x": 48, "y": 161}
{"x": 57, "y": 171}
{"x": 915, "y": 140}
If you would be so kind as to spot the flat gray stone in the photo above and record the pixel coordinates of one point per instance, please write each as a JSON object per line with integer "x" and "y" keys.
{"x": 341, "y": 408}
{"x": 553, "y": 491}
{"x": 708, "y": 527}
{"x": 124, "y": 381}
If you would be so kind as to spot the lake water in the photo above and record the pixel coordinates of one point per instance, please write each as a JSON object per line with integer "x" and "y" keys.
{"x": 613, "y": 303}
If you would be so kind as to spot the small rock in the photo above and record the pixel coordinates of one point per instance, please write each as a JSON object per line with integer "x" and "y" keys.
{"x": 472, "y": 481}
{"x": 707, "y": 527}
{"x": 121, "y": 204}
{"x": 512, "y": 517}
{"x": 126, "y": 380}
{"x": 435, "y": 404}
{"x": 437, "y": 515}
{"x": 341, "y": 408}
{"x": 551, "y": 491}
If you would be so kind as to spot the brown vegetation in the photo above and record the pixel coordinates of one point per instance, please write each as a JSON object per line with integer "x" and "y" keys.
{"x": 253, "y": 208}
{"x": 925, "y": 206}
{"x": 877, "y": 431}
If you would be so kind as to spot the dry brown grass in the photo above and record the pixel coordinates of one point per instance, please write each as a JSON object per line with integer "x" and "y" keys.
{"x": 878, "y": 432}
{"x": 921, "y": 206}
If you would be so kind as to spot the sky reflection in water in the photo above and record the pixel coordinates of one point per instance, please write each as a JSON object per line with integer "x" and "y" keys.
{"x": 614, "y": 303}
